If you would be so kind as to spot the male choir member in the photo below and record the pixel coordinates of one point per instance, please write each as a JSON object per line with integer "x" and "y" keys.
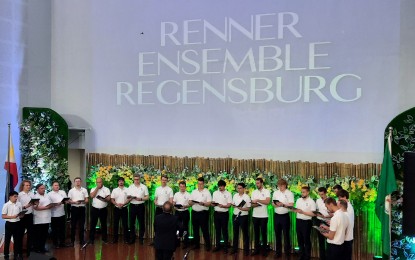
{"x": 78, "y": 198}
{"x": 182, "y": 198}
{"x": 280, "y": 200}
{"x": 25, "y": 196}
{"x": 240, "y": 218}
{"x": 260, "y": 200}
{"x": 348, "y": 243}
{"x": 166, "y": 226}
{"x": 336, "y": 232}
{"x": 321, "y": 208}
{"x": 120, "y": 201}
{"x": 138, "y": 193}
{"x": 221, "y": 216}
{"x": 336, "y": 188}
{"x": 305, "y": 207}
{"x": 10, "y": 213}
{"x": 100, "y": 197}
{"x": 201, "y": 199}
{"x": 58, "y": 215}
{"x": 162, "y": 194}
{"x": 41, "y": 218}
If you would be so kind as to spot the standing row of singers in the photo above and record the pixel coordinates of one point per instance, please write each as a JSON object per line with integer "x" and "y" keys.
{"x": 41, "y": 209}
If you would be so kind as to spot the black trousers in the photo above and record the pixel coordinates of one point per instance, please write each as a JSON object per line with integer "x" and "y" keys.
{"x": 221, "y": 219}
{"x": 335, "y": 252}
{"x": 184, "y": 219}
{"x": 137, "y": 212}
{"x": 200, "y": 219}
{"x": 303, "y": 237}
{"x": 348, "y": 250}
{"x": 27, "y": 223}
{"x": 260, "y": 228}
{"x": 243, "y": 223}
{"x": 58, "y": 230}
{"x": 77, "y": 218}
{"x": 282, "y": 226}
{"x": 121, "y": 213}
{"x": 164, "y": 254}
{"x": 41, "y": 231}
{"x": 13, "y": 229}
{"x": 102, "y": 215}
{"x": 322, "y": 242}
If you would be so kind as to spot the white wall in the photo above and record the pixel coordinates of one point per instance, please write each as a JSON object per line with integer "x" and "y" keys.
{"x": 96, "y": 44}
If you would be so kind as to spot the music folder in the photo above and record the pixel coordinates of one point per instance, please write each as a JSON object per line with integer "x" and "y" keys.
{"x": 243, "y": 202}
{"x": 33, "y": 201}
{"x": 22, "y": 213}
{"x": 321, "y": 230}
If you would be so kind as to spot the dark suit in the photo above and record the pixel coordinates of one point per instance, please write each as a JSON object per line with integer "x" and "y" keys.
{"x": 165, "y": 229}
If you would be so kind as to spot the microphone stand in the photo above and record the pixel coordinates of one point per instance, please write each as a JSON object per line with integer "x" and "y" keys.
{"x": 83, "y": 248}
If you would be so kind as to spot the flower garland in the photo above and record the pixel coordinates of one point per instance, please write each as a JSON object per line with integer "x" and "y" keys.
{"x": 362, "y": 192}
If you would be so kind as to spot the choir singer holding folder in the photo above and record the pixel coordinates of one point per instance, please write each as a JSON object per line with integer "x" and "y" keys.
{"x": 42, "y": 218}
{"x": 242, "y": 205}
{"x": 100, "y": 196}
{"x": 58, "y": 198}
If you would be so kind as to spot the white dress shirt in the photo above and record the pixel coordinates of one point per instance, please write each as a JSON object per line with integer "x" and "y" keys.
{"x": 306, "y": 205}
{"x": 42, "y": 216}
{"x": 223, "y": 198}
{"x": 321, "y": 207}
{"x": 56, "y": 197}
{"x": 285, "y": 197}
{"x": 200, "y": 196}
{"x": 181, "y": 198}
{"x": 237, "y": 199}
{"x": 103, "y": 192}
{"x": 338, "y": 223}
{"x": 78, "y": 194}
{"x": 24, "y": 198}
{"x": 262, "y": 210}
{"x": 12, "y": 209}
{"x": 139, "y": 192}
{"x": 163, "y": 194}
{"x": 350, "y": 215}
{"x": 119, "y": 195}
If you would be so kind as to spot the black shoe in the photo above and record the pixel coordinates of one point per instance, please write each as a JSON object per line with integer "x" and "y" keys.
{"x": 246, "y": 252}
{"x": 216, "y": 249}
{"x": 62, "y": 245}
{"x": 277, "y": 255}
{"x": 141, "y": 241}
{"x": 82, "y": 242}
{"x": 6, "y": 257}
{"x": 114, "y": 241}
{"x": 225, "y": 251}
{"x": 265, "y": 253}
{"x": 256, "y": 252}
{"x": 232, "y": 252}
{"x": 91, "y": 242}
{"x": 185, "y": 246}
{"x": 197, "y": 247}
{"x": 104, "y": 241}
{"x": 70, "y": 244}
{"x": 56, "y": 246}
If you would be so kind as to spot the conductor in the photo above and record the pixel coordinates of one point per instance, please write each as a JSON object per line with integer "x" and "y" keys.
{"x": 166, "y": 226}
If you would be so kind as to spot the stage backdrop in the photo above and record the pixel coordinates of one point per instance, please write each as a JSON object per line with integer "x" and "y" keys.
{"x": 286, "y": 80}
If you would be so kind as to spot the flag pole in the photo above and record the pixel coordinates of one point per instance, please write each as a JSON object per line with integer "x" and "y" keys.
{"x": 8, "y": 165}
{"x": 390, "y": 200}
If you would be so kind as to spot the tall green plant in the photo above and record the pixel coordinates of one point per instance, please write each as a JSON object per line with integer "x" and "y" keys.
{"x": 40, "y": 142}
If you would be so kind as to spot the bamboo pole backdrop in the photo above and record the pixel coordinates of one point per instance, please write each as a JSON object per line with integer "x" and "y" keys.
{"x": 365, "y": 245}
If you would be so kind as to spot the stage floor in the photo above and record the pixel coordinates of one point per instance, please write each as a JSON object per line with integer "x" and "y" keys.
{"x": 137, "y": 251}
